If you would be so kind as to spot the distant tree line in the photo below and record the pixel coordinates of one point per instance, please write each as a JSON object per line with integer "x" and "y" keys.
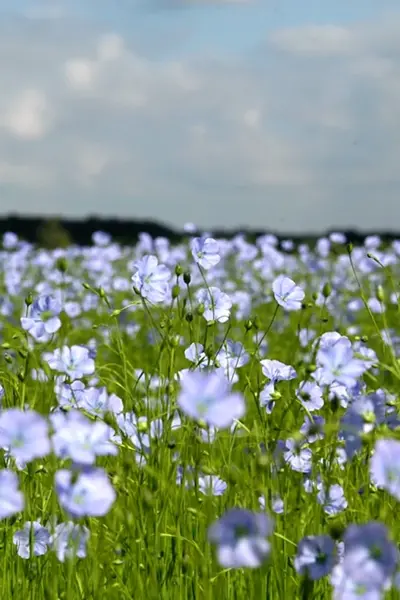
{"x": 55, "y": 232}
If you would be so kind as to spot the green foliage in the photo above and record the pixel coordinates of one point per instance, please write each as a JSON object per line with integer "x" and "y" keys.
{"x": 153, "y": 543}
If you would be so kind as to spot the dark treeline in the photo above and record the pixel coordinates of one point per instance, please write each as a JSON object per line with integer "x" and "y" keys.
{"x": 54, "y": 232}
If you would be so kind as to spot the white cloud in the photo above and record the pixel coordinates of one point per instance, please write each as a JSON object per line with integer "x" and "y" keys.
{"x": 303, "y": 134}
{"x": 316, "y": 40}
{"x": 46, "y": 10}
{"x": 28, "y": 176}
{"x": 189, "y": 3}
{"x": 110, "y": 47}
{"x": 28, "y": 114}
{"x": 252, "y": 117}
{"x": 80, "y": 73}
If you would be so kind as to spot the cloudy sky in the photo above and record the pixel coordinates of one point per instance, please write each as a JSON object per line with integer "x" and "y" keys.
{"x": 274, "y": 114}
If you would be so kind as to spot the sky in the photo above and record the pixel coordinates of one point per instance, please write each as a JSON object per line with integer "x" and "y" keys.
{"x": 279, "y": 115}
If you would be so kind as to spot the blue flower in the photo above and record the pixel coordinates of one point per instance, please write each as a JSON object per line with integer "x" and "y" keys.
{"x": 74, "y": 362}
{"x": 205, "y": 252}
{"x": 267, "y": 397}
{"x": 346, "y": 589}
{"x": 151, "y": 279}
{"x": 287, "y": 294}
{"x": 313, "y": 428}
{"x": 275, "y": 370}
{"x": 385, "y": 466}
{"x": 137, "y": 429}
{"x": 81, "y": 439}
{"x": 98, "y": 402}
{"x": 310, "y": 395}
{"x": 232, "y": 356}
{"x": 334, "y": 502}
{"x": 42, "y": 320}
{"x": 101, "y": 238}
{"x": 67, "y": 392}
{"x": 69, "y": 540}
{"x": 371, "y": 408}
{"x": 297, "y": 456}
{"x": 89, "y": 493}
{"x": 277, "y": 504}
{"x": 337, "y": 364}
{"x": 217, "y": 305}
{"x": 33, "y": 537}
{"x": 352, "y": 425}
{"x": 369, "y": 561}
{"x": 211, "y": 484}
{"x": 195, "y": 353}
{"x": 240, "y": 536}
{"x": 11, "y": 498}
{"x": 316, "y": 556}
{"x": 208, "y": 397}
{"x": 10, "y": 240}
{"x": 24, "y": 434}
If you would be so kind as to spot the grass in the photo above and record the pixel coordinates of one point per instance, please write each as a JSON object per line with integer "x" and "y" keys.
{"x": 153, "y": 542}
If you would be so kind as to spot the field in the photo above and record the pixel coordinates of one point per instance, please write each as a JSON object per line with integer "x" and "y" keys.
{"x": 212, "y": 420}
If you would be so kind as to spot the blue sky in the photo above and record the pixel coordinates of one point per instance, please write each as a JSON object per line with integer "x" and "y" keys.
{"x": 277, "y": 114}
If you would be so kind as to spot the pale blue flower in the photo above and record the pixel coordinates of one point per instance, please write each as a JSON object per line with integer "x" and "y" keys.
{"x": 212, "y": 485}
{"x": 337, "y": 364}
{"x": 287, "y": 294}
{"x": 81, "y": 439}
{"x": 217, "y": 305}
{"x": 275, "y": 370}
{"x": 33, "y": 537}
{"x": 370, "y": 558}
{"x": 151, "y": 279}
{"x": 385, "y": 466}
{"x": 11, "y": 498}
{"x": 69, "y": 540}
{"x": 241, "y": 538}
{"x": 90, "y": 493}
{"x": 42, "y": 320}
{"x": 316, "y": 556}
{"x": 24, "y": 434}
{"x": 310, "y": 395}
{"x": 74, "y": 362}
{"x": 208, "y": 397}
{"x": 205, "y": 252}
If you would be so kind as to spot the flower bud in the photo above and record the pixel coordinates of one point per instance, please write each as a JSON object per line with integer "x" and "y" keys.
{"x": 142, "y": 426}
{"x": 62, "y": 264}
{"x": 178, "y": 270}
{"x": 380, "y": 293}
{"x": 174, "y": 341}
{"x": 29, "y": 299}
{"x": 327, "y": 290}
{"x": 176, "y": 290}
{"x": 248, "y": 325}
{"x": 201, "y": 309}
